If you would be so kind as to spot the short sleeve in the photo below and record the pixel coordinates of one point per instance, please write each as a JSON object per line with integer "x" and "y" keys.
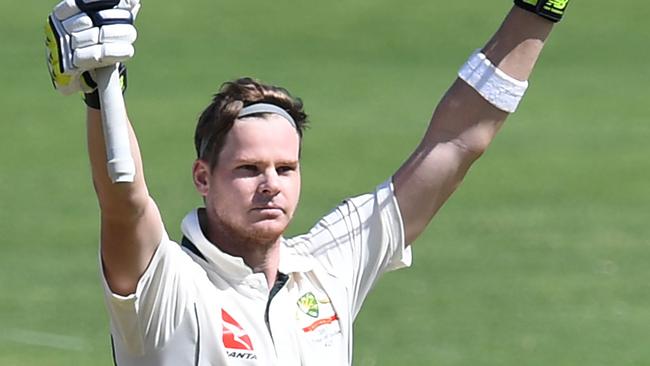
{"x": 359, "y": 241}
{"x": 163, "y": 297}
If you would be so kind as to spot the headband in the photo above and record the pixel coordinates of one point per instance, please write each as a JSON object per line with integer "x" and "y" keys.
{"x": 252, "y": 109}
{"x": 266, "y": 108}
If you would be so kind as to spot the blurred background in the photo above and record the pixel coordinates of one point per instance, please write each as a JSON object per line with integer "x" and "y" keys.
{"x": 540, "y": 258}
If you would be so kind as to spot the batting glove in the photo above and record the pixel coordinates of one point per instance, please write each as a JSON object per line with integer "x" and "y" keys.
{"x": 552, "y": 10}
{"x": 84, "y": 35}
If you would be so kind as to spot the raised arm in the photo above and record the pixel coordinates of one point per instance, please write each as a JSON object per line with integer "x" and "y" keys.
{"x": 79, "y": 42}
{"x": 131, "y": 226}
{"x": 465, "y": 122}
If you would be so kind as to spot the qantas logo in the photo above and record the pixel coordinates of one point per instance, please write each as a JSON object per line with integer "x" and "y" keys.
{"x": 234, "y": 336}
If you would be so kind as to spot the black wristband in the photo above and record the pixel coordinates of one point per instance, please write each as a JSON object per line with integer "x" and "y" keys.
{"x": 92, "y": 99}
{"x": 552, "y": 10}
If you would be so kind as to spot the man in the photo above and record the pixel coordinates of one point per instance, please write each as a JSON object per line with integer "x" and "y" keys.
{"x": 238, "y": 292}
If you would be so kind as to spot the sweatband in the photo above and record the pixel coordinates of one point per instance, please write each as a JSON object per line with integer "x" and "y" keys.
{"x": 253, "y": 109}
{"x": 498, "y": 88}
{"x": 266, "y": 108}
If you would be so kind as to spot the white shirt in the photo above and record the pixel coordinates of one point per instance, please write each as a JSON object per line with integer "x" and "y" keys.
{"x": 196, "y": 305}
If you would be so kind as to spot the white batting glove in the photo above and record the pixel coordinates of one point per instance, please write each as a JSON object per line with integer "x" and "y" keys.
{"x": 84, "y": 35}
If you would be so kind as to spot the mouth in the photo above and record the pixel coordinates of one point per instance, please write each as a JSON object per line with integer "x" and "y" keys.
{"x": 269, "y": 210}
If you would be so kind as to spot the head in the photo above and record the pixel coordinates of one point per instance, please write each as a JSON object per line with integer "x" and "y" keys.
{"x": 247, "y": 168}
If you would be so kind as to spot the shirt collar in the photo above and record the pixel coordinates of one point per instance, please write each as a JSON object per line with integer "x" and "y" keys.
{"x": 216, "y": 260}
{"x": 231, "y": 266}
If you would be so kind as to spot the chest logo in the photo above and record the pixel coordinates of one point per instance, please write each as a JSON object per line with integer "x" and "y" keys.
{"x": 234, "y": 336}
{"x": 308, "y": 304}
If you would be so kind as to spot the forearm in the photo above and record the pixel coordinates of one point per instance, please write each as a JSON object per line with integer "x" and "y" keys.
{"x": 466, "y": 118}
{"x": 517, "y": 44}
{"x": 121, "y": 200}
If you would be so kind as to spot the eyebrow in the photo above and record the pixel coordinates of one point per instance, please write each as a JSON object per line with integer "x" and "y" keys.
{"x": 260, "y": 162}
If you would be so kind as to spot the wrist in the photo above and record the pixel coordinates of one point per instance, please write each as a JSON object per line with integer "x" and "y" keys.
{"x": 92, "y": 98}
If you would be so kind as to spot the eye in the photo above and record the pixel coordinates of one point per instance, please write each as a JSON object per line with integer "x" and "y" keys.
{"x": 285, "y": 169}
{"x": 248, "y": 168}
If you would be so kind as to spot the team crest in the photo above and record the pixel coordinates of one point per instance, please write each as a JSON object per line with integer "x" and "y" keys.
{"x": 308, "y": 304}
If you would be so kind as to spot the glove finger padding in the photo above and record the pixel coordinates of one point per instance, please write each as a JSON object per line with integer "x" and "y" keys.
{"x": 102, "y": 55}
{"x": 80, "y": 41}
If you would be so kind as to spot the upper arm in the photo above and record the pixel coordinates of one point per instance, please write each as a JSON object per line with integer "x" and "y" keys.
{"x": 460, "y": 130}
{"x": 127, "y": 245}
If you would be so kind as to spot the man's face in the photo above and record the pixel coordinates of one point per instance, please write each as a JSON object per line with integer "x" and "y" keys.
{"x": 253, "y": 191}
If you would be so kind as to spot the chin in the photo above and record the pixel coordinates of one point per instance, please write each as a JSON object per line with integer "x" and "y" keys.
{"x": 267, "y": 230}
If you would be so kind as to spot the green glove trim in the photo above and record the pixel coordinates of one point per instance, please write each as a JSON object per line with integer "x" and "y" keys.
{"x": 552, "y": 10}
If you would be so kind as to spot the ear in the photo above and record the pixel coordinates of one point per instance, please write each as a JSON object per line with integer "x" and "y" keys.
{"x": 201, "y": 177}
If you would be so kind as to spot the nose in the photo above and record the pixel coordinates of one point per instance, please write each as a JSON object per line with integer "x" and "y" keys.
{"x": 270, "y": 185}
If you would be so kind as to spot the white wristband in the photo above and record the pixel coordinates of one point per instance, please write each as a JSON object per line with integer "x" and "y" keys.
{"x": 498, "y": 88}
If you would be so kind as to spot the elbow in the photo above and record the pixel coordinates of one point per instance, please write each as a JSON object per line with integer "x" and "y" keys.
{"x": 122, "y": 202}
{"x": 124, "y": 208}
{"x": 473, "y": 149}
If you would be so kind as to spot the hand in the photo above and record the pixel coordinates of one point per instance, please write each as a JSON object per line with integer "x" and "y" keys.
{"x": 78, "y": 41}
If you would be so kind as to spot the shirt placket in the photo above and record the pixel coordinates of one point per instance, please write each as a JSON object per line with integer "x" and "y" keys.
{"x": 281, "y": 324}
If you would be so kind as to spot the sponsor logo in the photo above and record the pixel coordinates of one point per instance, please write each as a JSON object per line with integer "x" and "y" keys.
{"x": 234, "y": 336}
{"x": 308, "y": 304}
{"x": 242, "y": 355}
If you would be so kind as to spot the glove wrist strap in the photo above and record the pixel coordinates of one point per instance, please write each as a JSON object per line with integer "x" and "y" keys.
{"x": 552, "y": 10}
{"x": 92, "y": 99}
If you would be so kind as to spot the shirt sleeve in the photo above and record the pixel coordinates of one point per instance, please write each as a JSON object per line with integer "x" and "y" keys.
{"x": 163, "y": 297}
{"x": 359, "y": 241}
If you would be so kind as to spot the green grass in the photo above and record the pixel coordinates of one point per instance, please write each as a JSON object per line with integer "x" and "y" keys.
{"x": 540, "y": 258}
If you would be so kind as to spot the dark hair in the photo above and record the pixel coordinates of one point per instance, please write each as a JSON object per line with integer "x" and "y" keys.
{"x": 218, "y": 117}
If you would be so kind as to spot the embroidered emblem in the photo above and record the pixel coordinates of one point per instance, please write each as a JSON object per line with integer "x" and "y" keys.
{"x": 308, "y": 304}
{"x": 320, "y": 322}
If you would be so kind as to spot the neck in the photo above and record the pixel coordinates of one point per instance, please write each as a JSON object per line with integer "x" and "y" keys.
{"x": 261, "y": 255}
